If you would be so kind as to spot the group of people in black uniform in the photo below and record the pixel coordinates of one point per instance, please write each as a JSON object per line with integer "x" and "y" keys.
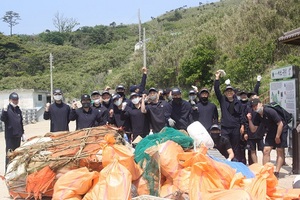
{"x": 243, "y": 124}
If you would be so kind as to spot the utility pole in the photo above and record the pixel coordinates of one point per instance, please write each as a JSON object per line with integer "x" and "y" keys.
{"x": 51, "y": 79}
{"x": 140, "y": 27}
{"x": 144, "y": 47}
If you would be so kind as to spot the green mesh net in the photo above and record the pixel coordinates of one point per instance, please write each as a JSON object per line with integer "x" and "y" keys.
{"x": 151, "y": 165}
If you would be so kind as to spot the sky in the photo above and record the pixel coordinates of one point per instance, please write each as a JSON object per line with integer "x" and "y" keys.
{"x": 37, "y": 15}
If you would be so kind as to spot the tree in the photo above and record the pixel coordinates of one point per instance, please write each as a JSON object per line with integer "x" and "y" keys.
{"x": 64, "y": 24}
{"x": 196, "y": 66}
{"x": 11, "y": 18}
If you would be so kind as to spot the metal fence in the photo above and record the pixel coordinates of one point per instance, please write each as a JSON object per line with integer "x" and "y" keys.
{"x": 29, "y": 117}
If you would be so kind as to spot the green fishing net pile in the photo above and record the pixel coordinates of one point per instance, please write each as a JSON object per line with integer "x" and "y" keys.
{"x": 150, "y": 165}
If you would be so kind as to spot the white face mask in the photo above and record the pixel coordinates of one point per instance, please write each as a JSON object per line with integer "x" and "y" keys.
{"x": 118, "y": 102}
{"x": 258, "y": 110}
{"x": 153, "y": 97}
{"x": 192, "y": 97}
{"x": 97, "y": 101}
{"x": 135, "y": 100}
{"x": 14, "y": 105}
{"x": 57, "y": 97}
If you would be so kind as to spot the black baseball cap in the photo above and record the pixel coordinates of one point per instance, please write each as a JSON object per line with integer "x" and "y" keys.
{"x": 116, "y": 96}
{"x": 57, "y": 91}
{"x": 204, "y": 90}
{"x": 152, "y": 89}
{"x": 176, "y": 91}
{"x": 85, "y": 97}
{"x": 192, "y": 92}
{"x": 14, "y": 96}
{"x": 215, "y": 126}
{"x": 120, "y": 87}
{"x": 251, "y": 94}
{"x": 254, "y": 102}
{"x": 133, "y": 94}
{"x": 95, "y": 92}
{"x": 228, "y": 87}
{"x": 105, "y": 92}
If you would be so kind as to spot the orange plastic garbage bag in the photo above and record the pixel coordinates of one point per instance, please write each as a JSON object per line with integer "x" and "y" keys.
{"x": 233, "y": 194}
{"x": 209, "y": 175}
{"x": 286, "y": 194}
{"x": 188, "y": 159}
{"x": 74, "y": 183}
{"x": 114, "y": 183}
{"x": 267, "y": 172}
{"x": 40, "y": 182}
{"x": 168, "y": 152}
{"x": 167, "y": 189}
{"x": 125, "y": 158}
{"x": 182, "y": 179}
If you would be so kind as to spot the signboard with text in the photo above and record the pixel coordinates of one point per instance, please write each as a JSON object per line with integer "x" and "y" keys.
{"x": 285, "y": 72}
{"x": 284, "y": 93}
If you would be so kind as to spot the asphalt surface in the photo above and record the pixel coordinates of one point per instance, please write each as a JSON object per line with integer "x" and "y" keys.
{"x": 41, "y": 128}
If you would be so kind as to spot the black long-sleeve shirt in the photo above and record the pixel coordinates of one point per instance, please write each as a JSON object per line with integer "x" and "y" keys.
{"x": 59, "y": 117}
{"x": 229, "y": 120}
{"x": 139, "y": 121}
{"x": 118, "y": 121}
{"x": 13, "y": 121}
{"x": 206, "y": 114}
{"x": 181, "y": 113}
{"x": 156, "y": 114}
{"x": 85, "y": 119}
{"x": 104, "y": 115}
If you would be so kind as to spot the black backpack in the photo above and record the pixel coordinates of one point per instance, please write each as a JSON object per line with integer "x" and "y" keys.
{"x": 285, "y": 115}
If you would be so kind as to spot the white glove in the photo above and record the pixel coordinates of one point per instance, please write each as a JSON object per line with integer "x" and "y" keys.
{"x": 23, "y": 138}
{"x": 151, "y": 132}
{"x": 171, "y": 122}
{"x": 227, "y": 82}
{"x": 222, "y": 72}
{"x": 5, "y": 107}
{"x": 195, "y": 88}
{"x": 228, "y": 159}
{"x": 124, "y": 105}
{"x": 193, "y": 103}
{"x": 47, "y": 107}
{"x": 258, "y": 77}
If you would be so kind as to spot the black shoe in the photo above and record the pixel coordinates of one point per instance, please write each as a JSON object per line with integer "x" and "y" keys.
{"x": 276, "y": 174}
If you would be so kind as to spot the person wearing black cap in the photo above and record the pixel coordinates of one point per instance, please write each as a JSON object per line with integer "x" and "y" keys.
{"x": 276, "y": 131}
{"x": 115, "y": 118}
{"x": 193, "y": 97}
{"x": 155, "y": 110}
{"x": 58, "y": 113}
{"x": 106, "y": 100}
{"x": 86, "y": 116}
{"x": 178, "y": 111}
{"x": 206, "y": 112}
{"x": 232, "y": 119}
{"x": 13, "y": 121}
{"x": 96, "y": 103}
{"x": 139, "y": 89}
{"x": 220, "y": 142}
{"x": 167, "y": 94}
{"x": 138, "y": 120}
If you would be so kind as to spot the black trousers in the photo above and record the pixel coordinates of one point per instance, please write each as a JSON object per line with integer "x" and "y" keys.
{"x": 11, "y": 144}
{"x": 234, "y": 136}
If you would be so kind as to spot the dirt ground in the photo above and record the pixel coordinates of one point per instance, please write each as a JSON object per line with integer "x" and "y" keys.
{"x": 40, "y": 128}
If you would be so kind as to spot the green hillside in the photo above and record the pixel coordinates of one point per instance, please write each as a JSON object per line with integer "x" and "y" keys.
{"x": 185, "y": 47}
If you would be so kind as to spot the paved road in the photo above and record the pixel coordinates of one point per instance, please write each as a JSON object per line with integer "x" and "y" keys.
{"x": 42, "y": 127}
